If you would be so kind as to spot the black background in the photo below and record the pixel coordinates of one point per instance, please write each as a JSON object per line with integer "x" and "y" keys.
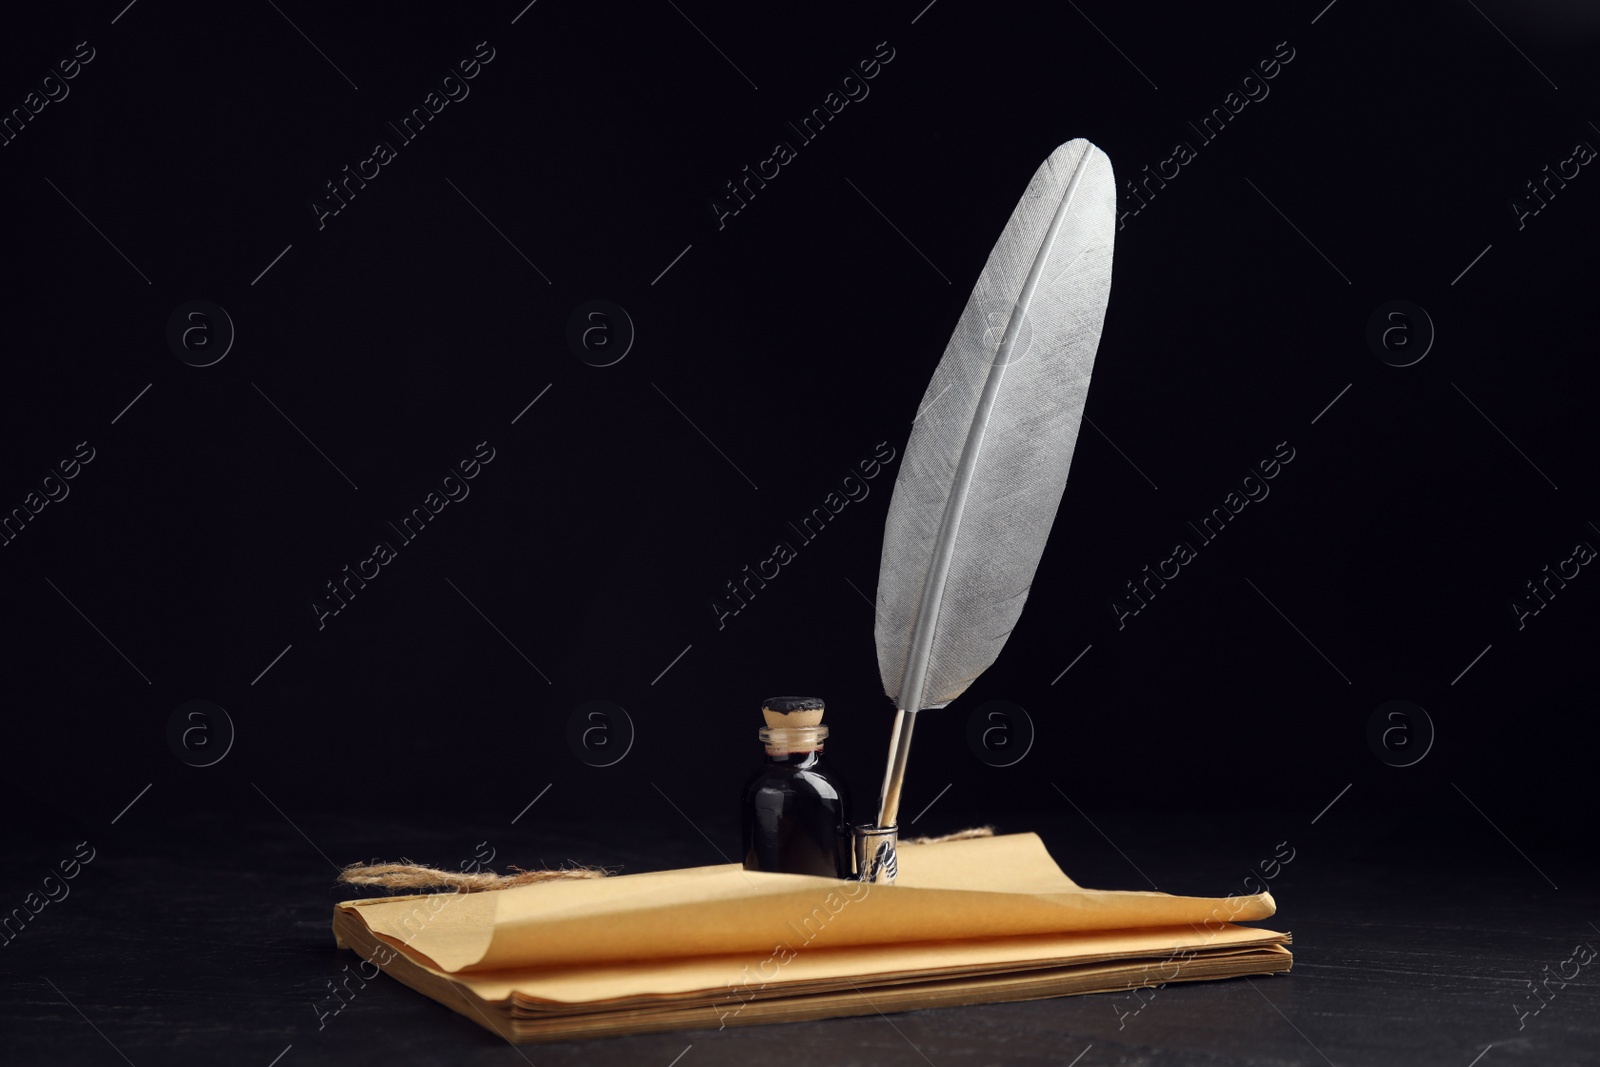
{"x": 772, "y": 355}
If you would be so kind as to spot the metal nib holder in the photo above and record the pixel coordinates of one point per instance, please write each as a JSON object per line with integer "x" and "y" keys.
{"x": 875, "y": 848}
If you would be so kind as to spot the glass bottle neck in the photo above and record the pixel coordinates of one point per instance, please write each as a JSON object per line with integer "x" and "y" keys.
{"x": 793, "y": 746}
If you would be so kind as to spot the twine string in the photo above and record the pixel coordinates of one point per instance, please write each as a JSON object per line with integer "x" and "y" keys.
{"x": 422, "y": 876}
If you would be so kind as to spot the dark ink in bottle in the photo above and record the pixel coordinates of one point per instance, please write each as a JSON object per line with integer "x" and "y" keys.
{"x": 796, "y": 811}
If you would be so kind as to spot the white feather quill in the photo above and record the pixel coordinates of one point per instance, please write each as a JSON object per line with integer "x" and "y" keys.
{"x": 986, "y": 464}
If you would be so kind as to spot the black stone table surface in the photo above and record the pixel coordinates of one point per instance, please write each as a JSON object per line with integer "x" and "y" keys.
{"x": 201, "y": 938}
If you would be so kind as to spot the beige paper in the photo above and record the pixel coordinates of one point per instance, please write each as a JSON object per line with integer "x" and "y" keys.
{"x": 972, "y": 890}
{"x": 970, "y": 922}
{"x": 768, "y": 974}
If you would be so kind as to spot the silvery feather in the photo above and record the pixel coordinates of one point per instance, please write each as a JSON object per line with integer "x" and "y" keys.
{"x": 987, "y": 461}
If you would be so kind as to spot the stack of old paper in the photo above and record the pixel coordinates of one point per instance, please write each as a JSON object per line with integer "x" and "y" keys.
{"x": 968, "y": 922}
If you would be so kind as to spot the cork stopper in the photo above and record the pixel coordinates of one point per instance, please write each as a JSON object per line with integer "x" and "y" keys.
{"x": 787, "y": 713}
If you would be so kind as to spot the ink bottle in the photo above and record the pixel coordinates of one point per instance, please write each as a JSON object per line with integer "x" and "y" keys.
{"x": 796, "y": 812}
